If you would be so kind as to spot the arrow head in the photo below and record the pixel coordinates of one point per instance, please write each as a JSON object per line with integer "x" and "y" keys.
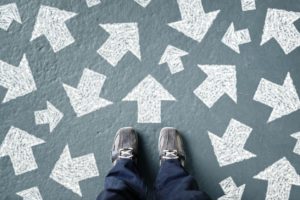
{"x": 171, "y": 53}
{"x": 9, "y": 13}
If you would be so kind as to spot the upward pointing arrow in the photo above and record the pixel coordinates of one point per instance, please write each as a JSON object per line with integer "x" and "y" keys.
{"x": 143, "y": 3}
{"x": 18, "y": 146}
{"x": 283, "y": 99}
{"x": 232, "y": 192}
{"x": 51, "y": 23}
{"x": 279, "y": 25}
{"x": 123, "y": 37}
{"x": 195, "y": 22}
{"x": 31, "y": 194}
{"x": 149, "y": 93}
{"x": 70, "y": 171}
{"x": 280, "y": 176}
{"x": 18, "y": 80}
{"x": 9, "y": 13}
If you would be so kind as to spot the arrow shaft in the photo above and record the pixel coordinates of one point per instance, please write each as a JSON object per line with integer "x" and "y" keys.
{"x": 175, "y": 65}
{"x": 23, "y": 161}
{"x": 113, "y": 50}
{"x": 278, "y": 191}
{"x": 149, "y": 111}
{"x": 190, "y": 8}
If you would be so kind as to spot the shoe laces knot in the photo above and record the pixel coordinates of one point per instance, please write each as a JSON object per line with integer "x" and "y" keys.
{"x": 170, "y": 154}
{"x": 126, "y": 153}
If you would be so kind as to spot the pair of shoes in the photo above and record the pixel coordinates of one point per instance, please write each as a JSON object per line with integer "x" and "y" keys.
{"x": 170, "y": 145}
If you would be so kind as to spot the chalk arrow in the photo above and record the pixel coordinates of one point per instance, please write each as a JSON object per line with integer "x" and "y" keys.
{"x": 18, "y": 146}
{"x": 70, "y": 171}
{"x": 280, "y": 176}
{"x": 248, "y": 5}
{"x": 297, "y": 147}
{"x": 221, "y": 79}
{"x": 123, "y": 37}
{"x": 50, "y": 22}
{"x": 283, "y": 99}
{"x": 51, "y": 116}
{"x": 18, "y": 80}
{"x": 229, "y": 148}
{"x": 279, "y": 25}
{"x": 195, "y": 22}
{"x": 31, "y": 194}
{"x": 143, "y": 3}
{"x": 149, "y": 93}
{"x": 91, "y": 3}
{"x": 9, "y": 13}
{"x": 233, "y": 38}
{"x": 172, "y": 56}
{"x": 232, "y": 192}
{"x": 85, "y": 98}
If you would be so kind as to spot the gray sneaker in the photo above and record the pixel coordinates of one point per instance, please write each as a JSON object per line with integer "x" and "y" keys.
{"x": 170, "y": 145}
{"x": 125, "y": 145}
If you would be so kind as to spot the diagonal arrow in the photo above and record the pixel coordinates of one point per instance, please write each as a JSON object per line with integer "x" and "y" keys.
{"x": 280, "y": 176}
{"x": 123, "y": 37}
{"x": 297, "y": 146}
{"x": 172, "y": 56}
{"x": 85, "y": 98}
{"x": 195, "y": 22}
{"x": 70, "y": 171}
{"x": 149, "y": 93}
{"x": 9, "y": 13}
{"x": 30, "y": 194}
{"x": 91, "y": 3}
{"x": 18, "y": 146}
{"x": 283, "y": 99}
{"x": 229, "y": 148}
{"x": 234, "y": 38}
{"x": 143, "y": 3}
{"x": 221, "y": 79}
{"x": 279, "y": 24}
{"x": 232, "y": 192}
{"x": 18, "y": 80}
{"x": 50, "y": 22}
{"x": 248, "y": 5}
{"x": 51, "y": 116}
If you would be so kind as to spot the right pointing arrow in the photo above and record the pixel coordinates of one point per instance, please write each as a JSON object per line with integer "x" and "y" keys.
{"x": 9, "y": 13}
{"x": 30, "y": 194}
{"x": 232, "y": 192}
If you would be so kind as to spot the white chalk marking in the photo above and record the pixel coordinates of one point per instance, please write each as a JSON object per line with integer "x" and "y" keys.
{"x": 297, "y": 146}
{"x": 70, "y": 171}
{"x": 51, "y": 116}
{"x": 172, "y": 56}
{"x": 231, "y": 191}
{"x": 85, "y": 98}
{"x": 123, "y": 37}
{"x": 8, "y": 14}
{"x": 221, "y": 79}
{"x": 195, "y": 22}
{"x": 283, "y": 99}
{"x": 143, "y": 3}
{"x": 280, "y": 176}
{"x": 229, "y": 148}
{"x": 149, "y": 93}
{"x": 30, "y": 194}
{"x": 279, "y": 25}
{"x": 91, "y": 3}
{"x": 248, "y": 5}
{"x": 50, "y": 22}
{"x": 18, "y": 80}
{"x": 233, "y": 38}
{"x": 18, "y": 146}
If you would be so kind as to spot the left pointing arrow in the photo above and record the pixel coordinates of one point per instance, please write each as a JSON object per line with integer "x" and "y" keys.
{"x": 18, "y": 146}
{"x": 9, "y": 13}
{"x": 18, "y": 80}
{"x": 30, "y": 194}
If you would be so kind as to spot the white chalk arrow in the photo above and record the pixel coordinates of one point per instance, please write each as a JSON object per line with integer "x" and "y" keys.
{"x": 229, "y": 148}
{"x": 51, "y": 116}
{"x": 8, "y": 14}
{"x": 143, "y": 3}
{"x": 283, "y": 99}
{"x": 70, "y": 171}
{"x": 123, "y": 37}
{"x": 279, "y": 25}
{"x": 280, "y": 176}
{"x": 149, "y": 93}
{"x": 85, "y": 98}
{"x": 50, "y": 22}
{"x": 297, "y": 146}
{"x": 221, "y": 79}
{"x": 91, "y": 3}
{"x": 172, "y": 56}
{"x": 18, "y": 146}
{"x": 248, "y": 5}
{"x": 234, "y": 38}
{"x": 232, "y": 192}
{"x": 30, "y": 194}
{"x": 18, "y": 80}
{"x": 195, "y": 22}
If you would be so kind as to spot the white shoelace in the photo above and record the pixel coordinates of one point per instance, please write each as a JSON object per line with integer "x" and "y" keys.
{"x": 170, "y": 154}
{"x": 126, "y": 153}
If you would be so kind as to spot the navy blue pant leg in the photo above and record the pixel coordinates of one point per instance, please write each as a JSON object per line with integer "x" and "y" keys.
{"x": 175, "y": 183}
{"x": 123, "y": 182}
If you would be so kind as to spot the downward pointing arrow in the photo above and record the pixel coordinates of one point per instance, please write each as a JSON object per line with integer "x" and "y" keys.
{"x": 229, "y": 148}
{"x": 123, "y": 38}
{"x": 9, "y": 13}
{"x": 70, "y": 171}
{"x": 31, "y": 194}
{"x": 280, "y": 176}
{"x": 232, "y": 192}
{"x": 18, "y": 80}
{"x": 149, "y": 93}
{"x": 51, "y": 23}
{"x": 283, "y": 99}
{"x": 18, "y": 146}
{"x": 195, "y": 22}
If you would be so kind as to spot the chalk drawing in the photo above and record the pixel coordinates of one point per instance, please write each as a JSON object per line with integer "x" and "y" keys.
{"x": 30, "y": 194}
{"x": 297, "y": 146}
{"x": 231, "y": 191}
{"x": 143, "y": 3}
{"x": 8, "y": 14}
{"x": 91, "y": 3}
{"x": 248, "y": 5}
